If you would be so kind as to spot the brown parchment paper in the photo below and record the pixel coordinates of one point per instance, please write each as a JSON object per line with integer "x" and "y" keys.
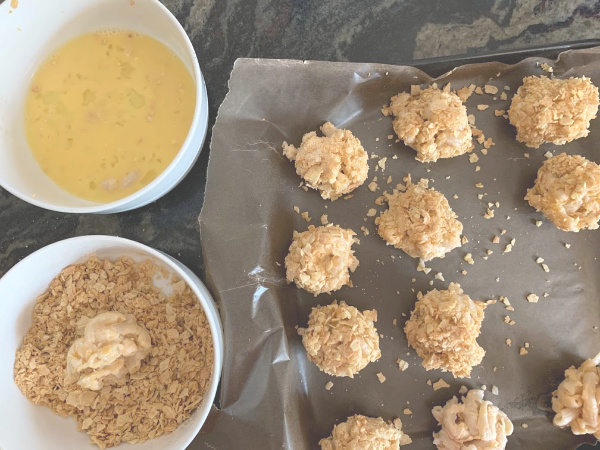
{"x": 270, "y": 395}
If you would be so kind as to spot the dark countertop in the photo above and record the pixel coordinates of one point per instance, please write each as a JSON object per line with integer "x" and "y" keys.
{"x": 386, "y": 31}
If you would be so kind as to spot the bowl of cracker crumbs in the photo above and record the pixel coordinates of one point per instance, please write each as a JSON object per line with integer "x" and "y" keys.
{"x": 110, "y": 343}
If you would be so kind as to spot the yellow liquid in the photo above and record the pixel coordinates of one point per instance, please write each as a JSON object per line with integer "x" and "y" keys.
{"x": 108, "y": 112}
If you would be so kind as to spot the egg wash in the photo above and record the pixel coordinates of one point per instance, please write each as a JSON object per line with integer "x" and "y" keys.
{"x": 107, "y": 113}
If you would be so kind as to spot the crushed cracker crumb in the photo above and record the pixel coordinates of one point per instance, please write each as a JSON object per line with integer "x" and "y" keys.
{"x": 440, "y": 384}
{"x": 490, "y": 89}
{"x": 402, "y": 365}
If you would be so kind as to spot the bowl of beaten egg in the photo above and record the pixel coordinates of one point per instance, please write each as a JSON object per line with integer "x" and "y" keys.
{"x": 161, "y": 404}
{"x": 103, "y": 107}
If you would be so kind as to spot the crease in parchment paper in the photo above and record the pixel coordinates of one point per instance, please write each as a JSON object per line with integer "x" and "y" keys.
{"x": 271, "y": 396}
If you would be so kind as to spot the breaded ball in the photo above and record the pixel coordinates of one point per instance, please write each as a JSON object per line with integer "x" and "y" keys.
{"x": 567, "y": 191}
{"x": 366, "y": 433}
{"x": 575, "y": 402}
{"x": 443, "y": 328}
{"x": 472, "y": 423}
{"x": 553, "y": 110}
{"x": 420, "y": 222}
{"x": 321, "y": 259}
{"x": 433, "y": 122}
{"x": 340, "y": 339}
{"x": 335, "y": 164}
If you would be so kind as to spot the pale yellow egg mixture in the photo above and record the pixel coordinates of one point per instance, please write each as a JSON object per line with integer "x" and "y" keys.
{"x": 107, "y": 112}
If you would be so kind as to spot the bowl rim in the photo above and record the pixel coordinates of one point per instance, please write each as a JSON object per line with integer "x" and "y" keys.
{"x": 195, "y": 284}
{"x": 199, "y": 121}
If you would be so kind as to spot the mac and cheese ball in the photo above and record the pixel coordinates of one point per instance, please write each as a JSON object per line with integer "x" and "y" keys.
{"x": 552, "y": 110}
{"x": 321, "y": 259}
{"x": 567, "y": 191}
{"x": 335, "y": 164}
{"x": 362, "y": 433}
{"x": 112, "y": 345}
{"x": 575, "y": 402}
{"x": 432, "y": 121}
{"x": 420, "y": 222}
{"x": 443, "y": 328}
{"x": 473, "y": 423}
{"x": 340, "y": 339}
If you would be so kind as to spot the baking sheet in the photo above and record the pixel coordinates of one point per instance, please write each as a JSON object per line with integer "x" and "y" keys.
{"x": 271, "y": 396}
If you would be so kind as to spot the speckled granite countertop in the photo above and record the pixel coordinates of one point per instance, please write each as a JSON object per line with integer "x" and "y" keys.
{"x": 386, "y": 31}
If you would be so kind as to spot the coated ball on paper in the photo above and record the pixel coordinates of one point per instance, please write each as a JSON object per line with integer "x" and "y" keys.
{"x": 433, "y": 122}
{"x": 334, "y": 164}
{"x": 420, "y": 222}
{"x": 567, "y": 191}
{"x": 321, "y": 259}
{"x": 361, "y": 432}
{"x": 443, "y": 329}
{"x": 553, "y": 110}
{"x": 340, "y": 339}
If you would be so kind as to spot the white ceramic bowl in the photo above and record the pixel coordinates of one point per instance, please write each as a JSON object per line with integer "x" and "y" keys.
{"x": 24, "y": 425}
{"x": 34, "y": 29}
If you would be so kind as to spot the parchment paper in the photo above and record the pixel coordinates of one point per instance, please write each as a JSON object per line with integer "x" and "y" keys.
{"x": 271, "y": 395}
